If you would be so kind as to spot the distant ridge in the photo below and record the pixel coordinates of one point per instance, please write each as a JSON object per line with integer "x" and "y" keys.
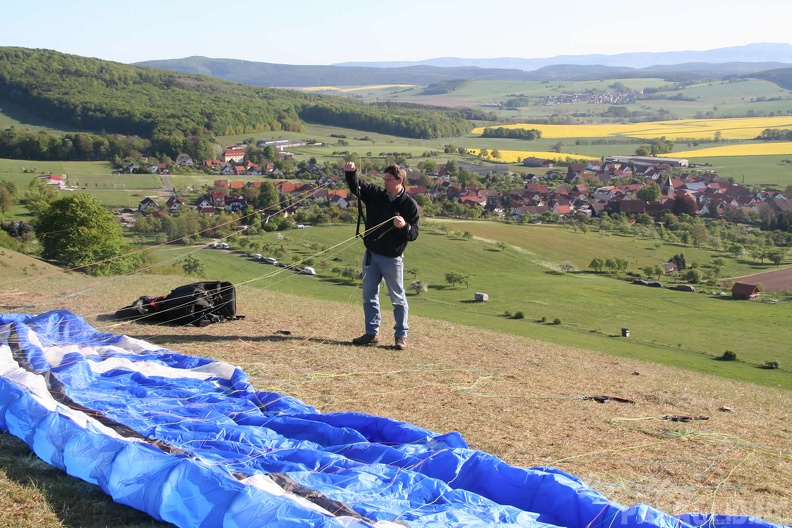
{"x": 758, "y": 52}
{"x": 671, "y": 66}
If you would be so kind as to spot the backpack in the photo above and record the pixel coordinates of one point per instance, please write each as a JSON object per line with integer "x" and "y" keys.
{"x": 199, "y": 304}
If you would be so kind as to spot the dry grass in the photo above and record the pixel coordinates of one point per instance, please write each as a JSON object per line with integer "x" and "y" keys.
{"x": 520, "y": 399}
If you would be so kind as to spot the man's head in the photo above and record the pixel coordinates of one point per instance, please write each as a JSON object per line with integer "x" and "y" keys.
{"x": 395, "y": 172}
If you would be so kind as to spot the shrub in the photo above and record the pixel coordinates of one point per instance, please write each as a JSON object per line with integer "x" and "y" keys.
{"x": 556, "y": 321}
{"x": 729, "y": 356}
{"x": 771, "y": 364}
{"x": 518, "y": 315}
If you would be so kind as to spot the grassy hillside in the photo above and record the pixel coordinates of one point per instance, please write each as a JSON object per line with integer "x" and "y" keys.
{"x": 518, "y": 397}
{"x": 667, "y": 326}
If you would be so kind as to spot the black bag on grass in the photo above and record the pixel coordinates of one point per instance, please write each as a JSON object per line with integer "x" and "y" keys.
{"x": 199, "y": 304}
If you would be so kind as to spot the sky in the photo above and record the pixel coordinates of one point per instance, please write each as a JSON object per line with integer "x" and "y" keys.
{"x": 321, "y": 32}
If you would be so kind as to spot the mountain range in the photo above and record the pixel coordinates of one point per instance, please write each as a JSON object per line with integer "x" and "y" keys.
{"x": 676, "y": 66}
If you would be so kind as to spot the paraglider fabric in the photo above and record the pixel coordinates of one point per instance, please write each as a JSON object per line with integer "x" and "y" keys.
{"x": 189, "y": 441}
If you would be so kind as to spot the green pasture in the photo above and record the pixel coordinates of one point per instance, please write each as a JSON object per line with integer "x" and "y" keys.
{"x": 753, "y": 170}
{"x": 691, "y": 330}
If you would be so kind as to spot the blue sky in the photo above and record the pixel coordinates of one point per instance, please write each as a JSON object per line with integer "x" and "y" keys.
{"x": 333, "y": 31}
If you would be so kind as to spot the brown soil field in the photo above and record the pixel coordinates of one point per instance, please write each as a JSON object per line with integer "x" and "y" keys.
{"x": 773, "y": 281}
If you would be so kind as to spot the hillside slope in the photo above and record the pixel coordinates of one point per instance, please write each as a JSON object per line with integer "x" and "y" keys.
{"x": 527, "y": 401}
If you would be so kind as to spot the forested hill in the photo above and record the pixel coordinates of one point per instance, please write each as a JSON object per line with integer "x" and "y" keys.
{"x": 782, "y": 77}
{"x": 268, "y": 74}
{"x": 166, "y": 106}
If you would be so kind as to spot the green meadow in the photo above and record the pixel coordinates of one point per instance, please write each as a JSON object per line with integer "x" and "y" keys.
{"x": 530, "y": 296}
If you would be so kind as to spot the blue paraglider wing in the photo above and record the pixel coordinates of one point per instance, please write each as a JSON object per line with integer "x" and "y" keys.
{"x": 189, "y": 441}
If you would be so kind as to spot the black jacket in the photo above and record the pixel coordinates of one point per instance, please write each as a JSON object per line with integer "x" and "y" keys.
{"x": 385, "y": 240}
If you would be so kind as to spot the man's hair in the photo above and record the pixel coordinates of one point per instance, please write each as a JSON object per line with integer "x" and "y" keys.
{"x": 397, "y": 172}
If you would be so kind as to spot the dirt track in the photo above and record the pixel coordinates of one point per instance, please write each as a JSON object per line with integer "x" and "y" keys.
{"x": 773, "y": 281}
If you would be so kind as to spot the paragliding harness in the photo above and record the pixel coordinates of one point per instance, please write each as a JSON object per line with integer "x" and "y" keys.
{"x": 199, "y": 304}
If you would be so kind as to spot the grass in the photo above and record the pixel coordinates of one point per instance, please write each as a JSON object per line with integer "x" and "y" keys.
{"x": 520, "y": 398}
{"x": 668, "y": 326}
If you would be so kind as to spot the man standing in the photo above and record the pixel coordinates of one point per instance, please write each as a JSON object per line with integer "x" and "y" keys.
{"x": 391, "y": 222}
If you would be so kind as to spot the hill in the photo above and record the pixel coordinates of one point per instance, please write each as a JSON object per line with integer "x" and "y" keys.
{"x": 182, "y": 112}
{"x": 672, "y": 66}
{"x": 527, "y": 401}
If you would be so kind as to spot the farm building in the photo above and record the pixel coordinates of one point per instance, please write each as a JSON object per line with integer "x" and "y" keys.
{"x": 744, "y": 291}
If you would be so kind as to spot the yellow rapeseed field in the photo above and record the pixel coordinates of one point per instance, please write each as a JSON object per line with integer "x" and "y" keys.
{"x": 694, "y": 129}
{"x": 744, "y": 149}
{"x": 516, "y": 156}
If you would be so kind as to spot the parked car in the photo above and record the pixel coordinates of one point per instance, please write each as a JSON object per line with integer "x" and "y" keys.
{"x": 224, "y": 246}
{"x": 309, "y": 271}
{"x": 269, "y": 260}
{"x": 257, "y": 256}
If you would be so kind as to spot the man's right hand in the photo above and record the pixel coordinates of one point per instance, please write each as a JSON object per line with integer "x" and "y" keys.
{"x": 350, "y": 166}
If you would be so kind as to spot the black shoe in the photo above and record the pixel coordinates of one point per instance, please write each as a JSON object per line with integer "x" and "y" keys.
{"x": 366, "y": 339}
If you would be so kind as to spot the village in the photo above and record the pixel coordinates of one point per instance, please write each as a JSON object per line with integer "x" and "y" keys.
{"x": 630, "y": 185}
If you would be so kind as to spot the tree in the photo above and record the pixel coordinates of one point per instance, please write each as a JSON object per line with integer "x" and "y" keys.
{"x": 268, "y": 195}
{"x": 39, "y": 196}
{"x": 8, "y": 195}
{"x": 650, "y": 192}
{"x": 6, "y": 200}
{"x": 684, "y": 205}
{"x": 454, "y": 277}
{"x": 776, "y": 256}
{"x": 597, "y": 263}
{"x": 192, "y": 266}
{"x": 700, "y": 234}
{"x": 78, "y": 232}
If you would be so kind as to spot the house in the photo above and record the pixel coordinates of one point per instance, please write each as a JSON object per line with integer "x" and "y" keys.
{"x": 204, "y": 206}
{"x": 234, "y": 155}
{"x": 174, "y": 204}
{"x": 184, "y": 159}
{"x": 744, "y": 292}
{"x": 55, "y": 181}
{"x": 532, "y": 161}
{"x": 148, "y": 206}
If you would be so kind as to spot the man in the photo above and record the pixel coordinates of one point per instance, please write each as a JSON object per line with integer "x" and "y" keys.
{"x": 391, "y": 222}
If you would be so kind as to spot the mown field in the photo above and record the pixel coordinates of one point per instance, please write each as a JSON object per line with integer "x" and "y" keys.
{"x": 666, "y": 326}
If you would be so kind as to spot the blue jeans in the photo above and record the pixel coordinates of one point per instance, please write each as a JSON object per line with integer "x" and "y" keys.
{"x": 375, "y": 268}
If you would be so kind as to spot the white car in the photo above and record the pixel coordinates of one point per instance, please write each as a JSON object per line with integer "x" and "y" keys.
{"x": 309, "y": 271}
{"x": 257, "y": 256}
{"x": 269, "y": 260}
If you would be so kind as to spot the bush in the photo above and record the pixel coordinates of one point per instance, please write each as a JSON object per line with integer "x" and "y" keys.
{"x": 518, "y": 315}
{"x": 729, "y": 356}
{"x": 771, "y": 364}
{"x": 556, "y": 321}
